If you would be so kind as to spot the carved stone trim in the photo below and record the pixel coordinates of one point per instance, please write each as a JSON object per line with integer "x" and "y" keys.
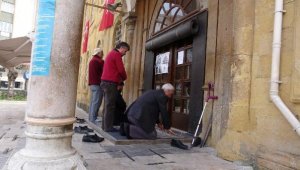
{"x": 49, "y": 122}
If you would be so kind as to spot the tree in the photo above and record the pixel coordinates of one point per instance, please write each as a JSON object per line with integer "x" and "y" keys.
{"x": 12, "y": 76}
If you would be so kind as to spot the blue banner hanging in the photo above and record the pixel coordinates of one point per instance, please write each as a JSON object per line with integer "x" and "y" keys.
{"x": 41, "y": 58}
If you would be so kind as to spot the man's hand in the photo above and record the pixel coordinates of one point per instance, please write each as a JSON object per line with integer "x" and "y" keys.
{"x": 169, "y": 131}
{"x": 160, "y": 126}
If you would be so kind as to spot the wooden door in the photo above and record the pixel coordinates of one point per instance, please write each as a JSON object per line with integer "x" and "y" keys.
{"x": 182, "y": 68}
{"x": 187, "y": 76}
{"x": 179, "y": 75}
{"x": 162, "y": 77}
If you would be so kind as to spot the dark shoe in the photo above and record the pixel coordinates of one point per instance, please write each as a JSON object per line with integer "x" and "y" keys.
{"x": 197, "y": 142}
{"x": 92, "y": 138}
{"x": 87, "y": 129}
{"x": 179, "y": 144}
{"x": 80, "y": 121}
{"x": 112, "y": 130}
{"x": 83, "y": 129}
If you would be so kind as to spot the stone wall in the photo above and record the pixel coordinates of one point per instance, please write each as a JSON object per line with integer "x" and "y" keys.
{"x": 104, "y": 39}
{"x": 246, "y": 124}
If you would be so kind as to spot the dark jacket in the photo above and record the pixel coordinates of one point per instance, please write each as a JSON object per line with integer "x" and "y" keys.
{"x": 114, "y": 70}
{"x": 95, "y": 70}
{"x": 120, "y": 109}
{"x": 147, "y": 109}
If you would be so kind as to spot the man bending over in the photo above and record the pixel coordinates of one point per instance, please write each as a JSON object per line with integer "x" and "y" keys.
{"x": 144, "y": 113}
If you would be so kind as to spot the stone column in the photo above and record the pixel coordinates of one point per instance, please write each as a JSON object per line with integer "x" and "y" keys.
{"x": 238, "y": 122}
{"x": 51, "y": 99}
{"x": 241, "y": 63}
{"x": 129, "y": 21}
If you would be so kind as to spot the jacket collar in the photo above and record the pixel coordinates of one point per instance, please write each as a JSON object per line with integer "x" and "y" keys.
{"x": 116, "y": 50}
{"x": 98, "y": 57}
{"x": 162, "y": 93}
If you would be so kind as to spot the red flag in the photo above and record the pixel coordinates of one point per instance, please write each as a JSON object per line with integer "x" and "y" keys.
{"x": 86, "y": 37}
{"x": 108, "y": 17}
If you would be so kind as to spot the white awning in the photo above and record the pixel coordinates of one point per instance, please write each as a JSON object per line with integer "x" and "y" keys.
{"x": 15, "y": 51}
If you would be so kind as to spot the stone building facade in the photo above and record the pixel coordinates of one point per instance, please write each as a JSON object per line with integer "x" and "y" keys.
{"x": 227, "y": 42}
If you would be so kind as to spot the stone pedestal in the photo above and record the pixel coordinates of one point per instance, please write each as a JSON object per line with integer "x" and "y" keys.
{"x": 52, "y": 99}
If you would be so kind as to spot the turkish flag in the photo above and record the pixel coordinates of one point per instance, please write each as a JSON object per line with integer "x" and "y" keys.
{"x": 108, "y": 17}
{"x": 86, "y": 36}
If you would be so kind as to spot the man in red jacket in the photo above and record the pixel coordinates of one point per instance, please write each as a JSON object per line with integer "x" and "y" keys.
{"x": 95, "y": 73}
{"x": 113, "y": 74}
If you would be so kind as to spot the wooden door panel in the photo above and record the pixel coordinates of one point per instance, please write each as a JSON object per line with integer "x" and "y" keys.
{"x": 180, "y": 121}
{"x": 182, "y": 65}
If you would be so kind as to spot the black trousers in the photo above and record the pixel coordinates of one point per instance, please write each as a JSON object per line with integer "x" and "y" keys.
{"x": 136, "y": 132}
{"x": 110, "y": 94}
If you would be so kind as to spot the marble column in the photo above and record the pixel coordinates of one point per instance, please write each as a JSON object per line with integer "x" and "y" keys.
{"x": 51, "y": 99}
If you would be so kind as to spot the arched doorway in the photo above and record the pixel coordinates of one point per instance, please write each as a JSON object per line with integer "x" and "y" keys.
{"x": 176, "y": 54}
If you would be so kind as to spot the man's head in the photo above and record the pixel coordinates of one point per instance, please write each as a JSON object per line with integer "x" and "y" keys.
{"x": 123, "y": 48}
{"x": 98, "y": 52}
{"x": 168, "y": 89}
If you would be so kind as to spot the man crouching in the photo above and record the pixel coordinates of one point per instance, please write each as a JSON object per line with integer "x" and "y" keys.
{"x": 144, "y": 113}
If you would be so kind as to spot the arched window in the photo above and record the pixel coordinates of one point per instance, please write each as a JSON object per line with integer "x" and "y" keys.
{"x": 172, "y": 11}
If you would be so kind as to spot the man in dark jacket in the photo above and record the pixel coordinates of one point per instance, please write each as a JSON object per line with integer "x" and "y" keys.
{"x": 95, "y": 73}
{"x": 113, "y": 74}
{"x": 144, "y": 113}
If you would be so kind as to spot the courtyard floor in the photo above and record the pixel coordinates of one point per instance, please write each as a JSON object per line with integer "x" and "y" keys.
{"x": 106, "y": 155}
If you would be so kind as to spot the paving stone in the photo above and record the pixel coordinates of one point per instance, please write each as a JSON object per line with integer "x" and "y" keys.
{"x": 151, "y": 160}
{"x": 7, "y": 145}
{"x": 107, "y": 156}
{"x": 116, "y": 164}
{"x": 3, "y": 160}
{"x": 87, "y": 147}
{"x": 161, "y": 151}
{"x": 100, "y": 155}
{"x": 139, "y": 152}
{"x": 117, "y": 154}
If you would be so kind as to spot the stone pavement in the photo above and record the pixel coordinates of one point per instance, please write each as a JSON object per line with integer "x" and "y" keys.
{"x": 12, "y": 128}
{"x": 107, "y": 156}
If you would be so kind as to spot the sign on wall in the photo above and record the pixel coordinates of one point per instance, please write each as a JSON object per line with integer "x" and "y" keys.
{"x": 43, "y": 39}
{"x": 162, "y": 63}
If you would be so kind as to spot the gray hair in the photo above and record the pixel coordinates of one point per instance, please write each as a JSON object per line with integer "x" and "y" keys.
{"x": 167, "y": 87}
